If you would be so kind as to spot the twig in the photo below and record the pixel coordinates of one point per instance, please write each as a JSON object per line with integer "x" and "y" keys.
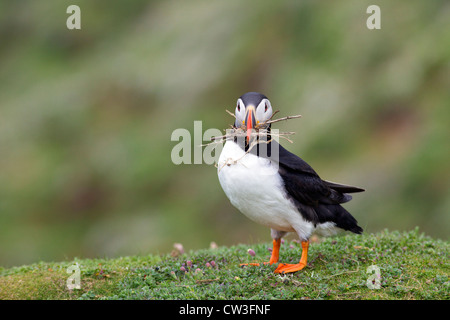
{"x": 274, "y": 113}
{"x": 241, "y": 133}
{"x": 261, "y": 131}
{"x": 230, "y": 113}
{"x": 287, "y": 139}
{"x": 269, "y": 121}
{"x": 282, "y": 119}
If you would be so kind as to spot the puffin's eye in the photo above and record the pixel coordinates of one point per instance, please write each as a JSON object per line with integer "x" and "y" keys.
{"x": 239, "y": 107}
{"x": 267, "y": 107}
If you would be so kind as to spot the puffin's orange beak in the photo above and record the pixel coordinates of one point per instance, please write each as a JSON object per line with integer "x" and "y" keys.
{"x": 250, "y": 122}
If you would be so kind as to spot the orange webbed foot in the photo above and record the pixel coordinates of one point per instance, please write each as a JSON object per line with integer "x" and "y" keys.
{"x": 287, "y": 267}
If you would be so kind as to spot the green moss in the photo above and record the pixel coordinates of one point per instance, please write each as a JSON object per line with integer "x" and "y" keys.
{"x": 412, "y": 266}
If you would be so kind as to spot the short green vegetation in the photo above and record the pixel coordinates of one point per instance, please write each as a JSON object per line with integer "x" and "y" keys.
{"x": 411, "y": 266}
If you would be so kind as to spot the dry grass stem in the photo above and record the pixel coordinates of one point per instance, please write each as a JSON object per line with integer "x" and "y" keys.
{"x": 260, "y": 130}
{"x": 283, "y": 119}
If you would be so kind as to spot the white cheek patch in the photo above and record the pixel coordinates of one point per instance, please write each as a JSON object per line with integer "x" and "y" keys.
{"x": 239, "y": 113}
{"x": 261, "y": 114}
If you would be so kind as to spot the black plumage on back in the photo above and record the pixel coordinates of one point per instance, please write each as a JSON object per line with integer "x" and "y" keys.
{"x": 317, "y": 200}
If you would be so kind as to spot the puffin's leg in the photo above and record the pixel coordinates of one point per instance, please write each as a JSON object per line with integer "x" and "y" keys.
{"x": 275, "y": 251}
{"x": 286, "y": 267}
{"x": 276, "y": 235}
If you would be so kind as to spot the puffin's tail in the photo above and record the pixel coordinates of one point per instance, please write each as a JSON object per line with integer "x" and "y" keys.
{"x": 337, "y": 214}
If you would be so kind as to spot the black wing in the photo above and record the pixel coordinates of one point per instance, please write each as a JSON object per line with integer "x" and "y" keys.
{"x": 317, "y": 200}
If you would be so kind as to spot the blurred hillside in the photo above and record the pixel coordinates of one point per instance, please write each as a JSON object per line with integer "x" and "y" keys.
{"x": 86, "y": 116}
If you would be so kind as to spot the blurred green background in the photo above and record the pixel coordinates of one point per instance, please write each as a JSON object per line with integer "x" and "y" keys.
{"x": 86, "y": 116}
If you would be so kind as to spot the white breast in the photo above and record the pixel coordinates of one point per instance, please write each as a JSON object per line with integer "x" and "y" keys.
{"x": 254, "y": 186}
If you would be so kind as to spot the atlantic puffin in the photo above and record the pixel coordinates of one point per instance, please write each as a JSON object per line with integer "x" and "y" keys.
{"x": 279, "y": 189}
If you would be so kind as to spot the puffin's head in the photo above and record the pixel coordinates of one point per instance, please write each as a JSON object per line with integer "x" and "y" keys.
{"x": 253, "y": 109}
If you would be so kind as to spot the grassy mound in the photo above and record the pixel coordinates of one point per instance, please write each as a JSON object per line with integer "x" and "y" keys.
{"x": 411, "y": 266}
